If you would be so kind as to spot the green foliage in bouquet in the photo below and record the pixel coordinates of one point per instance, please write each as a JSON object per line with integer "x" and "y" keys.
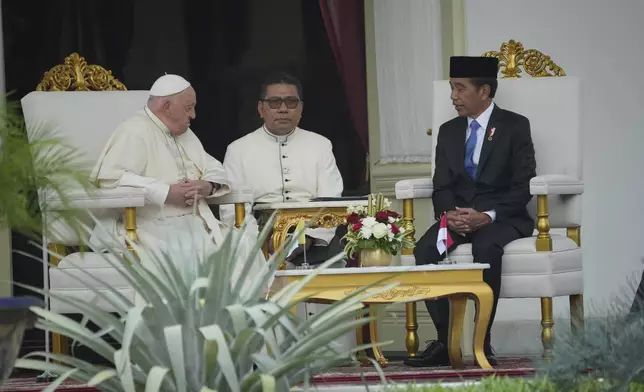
{"x": 45, "y": 164}
{"x": 375, "y": 226}
{"x": 199, "y": 331}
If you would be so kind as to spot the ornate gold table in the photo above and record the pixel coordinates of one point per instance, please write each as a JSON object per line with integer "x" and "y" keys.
{"x": 457, "y": 282}
{"x": 328, "y": 214}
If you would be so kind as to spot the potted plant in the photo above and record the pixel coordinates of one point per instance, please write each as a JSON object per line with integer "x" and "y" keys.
{"x": 196, "y": 329}
{"x": 375, "y": 232}
{"x": 44, "y": 162}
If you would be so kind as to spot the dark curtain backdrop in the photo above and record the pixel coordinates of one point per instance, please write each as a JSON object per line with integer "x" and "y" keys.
{"x": 344, "y": 23}
{"x": 224, "y": 47}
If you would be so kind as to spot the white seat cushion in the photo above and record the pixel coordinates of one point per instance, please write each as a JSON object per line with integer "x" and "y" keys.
{"x": 68, "y": 280}
{"x": 530, "y": 274}
{"x": 415, "y": 188}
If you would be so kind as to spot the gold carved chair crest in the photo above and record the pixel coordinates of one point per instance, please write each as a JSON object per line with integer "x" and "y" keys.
{"x": 513, "y": 56}
{"x": 76, "y": 75}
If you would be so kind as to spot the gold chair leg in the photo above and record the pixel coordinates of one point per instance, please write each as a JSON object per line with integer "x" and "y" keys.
{"x": 240, "y": 214}
{"x": 130, "y": 228}
{"x": 412, "y": 329}
{"x": 577, "y": 313}
{"x": 411, "y": 341}
{"x": 547, "y": 323}
{"x": 59, "y": 250}
{"x": 60, "y": 344}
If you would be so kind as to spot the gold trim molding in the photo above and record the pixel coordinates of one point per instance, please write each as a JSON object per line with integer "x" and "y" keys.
{"x": 409, "y": 291}
{"x": 512, "y": 56}
{"x": 76, "y": 75}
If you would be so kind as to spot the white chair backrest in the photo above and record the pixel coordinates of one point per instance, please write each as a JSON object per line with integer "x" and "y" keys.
{"x": 83, "y": 119}
{"x": 552, "y": 104}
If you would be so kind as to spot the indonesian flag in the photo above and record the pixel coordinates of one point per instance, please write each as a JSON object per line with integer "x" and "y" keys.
{"x": 444, "y": 240}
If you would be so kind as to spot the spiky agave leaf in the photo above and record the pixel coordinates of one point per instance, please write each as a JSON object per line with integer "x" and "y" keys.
{"x": 46, "y": 164}
{"x": 201, "y": 330}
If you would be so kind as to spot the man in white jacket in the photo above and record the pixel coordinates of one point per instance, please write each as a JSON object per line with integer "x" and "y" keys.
{"x": 283, "y": 163}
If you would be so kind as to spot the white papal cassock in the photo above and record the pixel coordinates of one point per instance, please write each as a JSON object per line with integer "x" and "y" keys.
{"x": 296, "y": 167}
{"x": 143, "y": 153}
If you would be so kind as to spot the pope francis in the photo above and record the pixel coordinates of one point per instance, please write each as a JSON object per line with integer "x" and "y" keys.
{"x": 155, "y": 150}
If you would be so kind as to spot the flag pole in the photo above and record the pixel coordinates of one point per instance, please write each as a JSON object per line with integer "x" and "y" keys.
{"x": 447, "y": 261}
{"x": 301, "y": 240}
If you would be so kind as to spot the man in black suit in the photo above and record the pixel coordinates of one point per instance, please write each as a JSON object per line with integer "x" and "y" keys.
{"x": 484, "y": 163}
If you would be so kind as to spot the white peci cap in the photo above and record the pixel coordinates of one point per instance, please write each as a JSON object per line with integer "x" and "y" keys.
{"x": 168, "y": 85}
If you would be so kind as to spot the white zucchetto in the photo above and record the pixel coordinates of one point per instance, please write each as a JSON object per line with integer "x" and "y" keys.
{"x": 168, "y": 85}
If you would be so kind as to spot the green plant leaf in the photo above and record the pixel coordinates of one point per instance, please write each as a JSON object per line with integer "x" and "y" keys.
{"x": 174, "y": 343}
{"x": 155, "y": 379}
{"x": 101, "y": 377}
{"x": 224, "y": 359}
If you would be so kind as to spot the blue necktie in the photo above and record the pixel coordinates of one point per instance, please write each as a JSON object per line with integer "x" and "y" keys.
{"x": 470, "y": 146}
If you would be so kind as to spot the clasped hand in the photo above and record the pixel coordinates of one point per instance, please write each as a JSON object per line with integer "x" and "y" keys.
{"x": 467, "y": 220}
{"x": 187, "y": 193}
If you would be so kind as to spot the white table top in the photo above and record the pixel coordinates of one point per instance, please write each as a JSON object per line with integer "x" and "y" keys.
{"x": 309, "y": 204}
{"x": 393, "y": 269}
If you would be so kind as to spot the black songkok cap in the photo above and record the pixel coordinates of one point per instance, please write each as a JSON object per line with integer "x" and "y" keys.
{"x": 473, "y": 67}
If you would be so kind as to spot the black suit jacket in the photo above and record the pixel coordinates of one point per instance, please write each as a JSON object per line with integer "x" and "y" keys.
{"x": 506, "y": 165}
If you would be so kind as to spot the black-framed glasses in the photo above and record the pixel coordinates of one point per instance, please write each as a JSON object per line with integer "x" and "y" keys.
{"x": 276, "y": 102}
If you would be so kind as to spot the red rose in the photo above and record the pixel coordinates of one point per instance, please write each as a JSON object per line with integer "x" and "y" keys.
{"x": 353, "y": 219}
{"x": 393, "y": 214}
{"x": 382, "y": 217}
{"x": 357, "y": 226}
{"x": 394, "y": 229}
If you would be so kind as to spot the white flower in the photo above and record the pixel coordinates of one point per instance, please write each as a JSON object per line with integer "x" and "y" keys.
{"x": 390, "y": 234}
{"x": 379, "y": 230}
{"x": 365, "y": 232}
{"x": 369, "y": 222}
{"x": 391, "y": 219}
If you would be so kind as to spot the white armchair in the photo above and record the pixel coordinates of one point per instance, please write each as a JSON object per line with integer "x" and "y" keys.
{"x": 545, "y": 265}
{"x": 85, "y": 120}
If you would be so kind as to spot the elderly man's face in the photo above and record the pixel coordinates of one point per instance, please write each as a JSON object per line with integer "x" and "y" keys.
{"x": 468, "y": 99}
{"x": 180, "y": 110}
{"x": 281, "y": 108}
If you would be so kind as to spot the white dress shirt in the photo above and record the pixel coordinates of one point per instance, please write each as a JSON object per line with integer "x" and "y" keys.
{"x": 483, "y": 119}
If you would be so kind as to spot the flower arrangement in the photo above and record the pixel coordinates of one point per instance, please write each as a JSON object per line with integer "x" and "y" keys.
{"x": 374, "y": 226}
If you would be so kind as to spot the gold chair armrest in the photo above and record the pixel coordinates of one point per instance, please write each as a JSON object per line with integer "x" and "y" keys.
{"x": 544, "y": 240}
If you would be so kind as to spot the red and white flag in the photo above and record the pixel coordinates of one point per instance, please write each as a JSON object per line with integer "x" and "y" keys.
{"x": 444, "y": 240}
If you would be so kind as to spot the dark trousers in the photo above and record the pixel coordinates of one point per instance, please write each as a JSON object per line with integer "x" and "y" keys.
{"x": 487, "y": 247}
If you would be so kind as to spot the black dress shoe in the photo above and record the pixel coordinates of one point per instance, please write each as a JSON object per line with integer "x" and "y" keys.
{"x": 434, "y": 355}
{"x": 490, "y": 355}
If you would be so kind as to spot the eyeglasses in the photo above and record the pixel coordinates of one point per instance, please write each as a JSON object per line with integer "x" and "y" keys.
{"x": 276, "y": 102}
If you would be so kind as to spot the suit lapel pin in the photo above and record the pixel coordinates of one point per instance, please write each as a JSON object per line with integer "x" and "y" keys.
{"x": 489, "y": 136}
